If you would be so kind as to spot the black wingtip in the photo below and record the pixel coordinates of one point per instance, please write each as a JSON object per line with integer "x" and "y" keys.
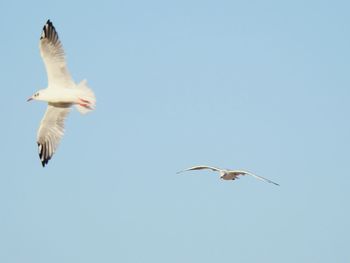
{"x": 49, "y": 23}
{"x": 44, "y": 160}
{"x": 48, "y": 30}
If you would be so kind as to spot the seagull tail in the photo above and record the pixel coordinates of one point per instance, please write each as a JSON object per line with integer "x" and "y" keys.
{"x": 87, "y": 98}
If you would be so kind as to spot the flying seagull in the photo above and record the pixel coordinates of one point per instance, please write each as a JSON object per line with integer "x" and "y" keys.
{"x": 61, "y": 93}
{"x": 227, "y": 174}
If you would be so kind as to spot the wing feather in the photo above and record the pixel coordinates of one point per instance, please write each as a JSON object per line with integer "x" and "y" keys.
{"x": 52, "y": 53}
{"x": 238, "y": 172}
{"x": 201, "y": 167}
{"x": 51, "y": 131}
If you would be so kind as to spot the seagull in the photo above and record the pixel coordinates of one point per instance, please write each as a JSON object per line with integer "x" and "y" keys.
{"x": 61, "y": 93}
{"x": 227, "y": 174}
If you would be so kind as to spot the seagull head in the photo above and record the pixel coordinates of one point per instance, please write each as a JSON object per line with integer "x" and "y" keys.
{"x": 37, "y": 95}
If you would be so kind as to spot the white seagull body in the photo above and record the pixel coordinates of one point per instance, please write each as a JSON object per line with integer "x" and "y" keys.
{"x": 227, "y": 174}
{"x": 61, "y": 94}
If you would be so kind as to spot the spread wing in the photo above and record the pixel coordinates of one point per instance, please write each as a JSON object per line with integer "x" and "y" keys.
{"x": 52, "y": 53}
{"x": 201, "y": 167}
{"x": 51, "y": 131}
{"x": 238, "y": 172}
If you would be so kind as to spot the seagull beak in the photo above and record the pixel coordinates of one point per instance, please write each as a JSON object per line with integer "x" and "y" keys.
{"x": 29, "y": 99}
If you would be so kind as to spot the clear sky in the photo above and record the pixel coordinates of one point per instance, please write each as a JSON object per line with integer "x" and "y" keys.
{"x": 256, "y": 85}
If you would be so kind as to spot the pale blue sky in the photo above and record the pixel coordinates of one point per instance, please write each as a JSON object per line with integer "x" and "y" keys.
{"x": 257, "y": 85}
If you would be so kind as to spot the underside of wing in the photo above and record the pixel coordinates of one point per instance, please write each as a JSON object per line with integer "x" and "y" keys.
{"x": 52, "y": 53}
{"x": 256, "y": 176}
{"x": 201, "y": 167}
{"x": 239, "y": 172}
{"x": 51, "y": 131}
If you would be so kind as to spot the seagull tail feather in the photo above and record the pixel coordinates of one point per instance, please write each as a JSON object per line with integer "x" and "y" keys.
{"x": 87, "y": 97}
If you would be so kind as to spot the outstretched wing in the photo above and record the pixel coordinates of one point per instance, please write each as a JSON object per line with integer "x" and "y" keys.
{"x": 201, "y": 167}
{"x": 52, "y": 53}
{"x": 51, "y": 131}
{"x": 241, "y": 172}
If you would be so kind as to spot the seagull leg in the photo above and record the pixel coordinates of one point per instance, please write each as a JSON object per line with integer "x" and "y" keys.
{"x": 85, "y": 103}
{"x": 86, "y": 106}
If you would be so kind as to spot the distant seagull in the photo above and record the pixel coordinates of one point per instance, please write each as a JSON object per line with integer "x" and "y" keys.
{"x": 60, "y": 94}
{"x": 227, "y": 174}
